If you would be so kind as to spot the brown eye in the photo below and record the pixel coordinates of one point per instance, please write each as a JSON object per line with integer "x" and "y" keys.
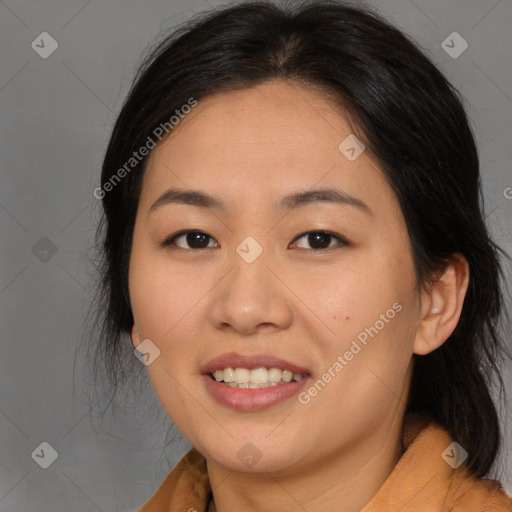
{"x": 194, "y": 239}
{"x": 322, "y": 239}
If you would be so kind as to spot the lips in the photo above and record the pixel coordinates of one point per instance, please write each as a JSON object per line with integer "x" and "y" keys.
{"x": 235, "y": 360}
{"x": 252, "y": 400}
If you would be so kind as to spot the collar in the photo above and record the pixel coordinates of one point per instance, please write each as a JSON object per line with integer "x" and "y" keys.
{"x": 422, "y": 481}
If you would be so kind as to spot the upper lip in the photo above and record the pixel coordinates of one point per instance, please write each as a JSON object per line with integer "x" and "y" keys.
{"x": 234, "y": 360}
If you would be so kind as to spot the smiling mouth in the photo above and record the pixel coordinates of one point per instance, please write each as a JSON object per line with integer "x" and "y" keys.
{"x": 256, "y": 378}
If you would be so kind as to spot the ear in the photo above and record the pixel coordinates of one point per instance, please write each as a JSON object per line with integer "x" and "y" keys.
{"x": 441, "y": 305}
{"x": 134, "y": 336}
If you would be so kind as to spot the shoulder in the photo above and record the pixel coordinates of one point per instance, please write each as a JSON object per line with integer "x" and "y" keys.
{"x": 482, "y": 495}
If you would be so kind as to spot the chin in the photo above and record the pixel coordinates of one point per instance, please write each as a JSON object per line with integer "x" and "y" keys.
{"x": 254, "y": 456}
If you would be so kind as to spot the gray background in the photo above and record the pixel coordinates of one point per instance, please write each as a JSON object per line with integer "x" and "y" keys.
{"x": 56, "y": 115}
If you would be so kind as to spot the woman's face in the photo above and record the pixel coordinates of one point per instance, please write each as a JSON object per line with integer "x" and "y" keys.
{"x": 256, "y": 285}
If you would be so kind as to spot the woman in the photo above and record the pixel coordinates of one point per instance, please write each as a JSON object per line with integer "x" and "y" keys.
{"x": 294, "y": 241}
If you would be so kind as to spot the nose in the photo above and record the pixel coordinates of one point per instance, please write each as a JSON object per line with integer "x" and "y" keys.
{"x": 252, "y": 296}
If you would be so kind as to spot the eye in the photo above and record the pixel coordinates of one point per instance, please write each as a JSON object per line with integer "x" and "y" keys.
{"x": 322, "y": 239}
{"x": 195, "y": 239}
{"x": 199, "y": 240}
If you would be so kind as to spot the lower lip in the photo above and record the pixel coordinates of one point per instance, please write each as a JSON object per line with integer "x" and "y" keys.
{"x": 248, "y": 399}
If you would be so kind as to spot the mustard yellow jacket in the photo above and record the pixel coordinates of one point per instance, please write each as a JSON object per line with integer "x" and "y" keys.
{"x": 422, "y": 481}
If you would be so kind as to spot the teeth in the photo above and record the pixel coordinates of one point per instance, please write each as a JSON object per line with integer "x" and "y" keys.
{"x": 242, "y": 375}
{"x": 274, "y": 375}
{"x": 259, "y": 376}
{"x": 287, "y": 376}
{"x": 256, "y": 378}
{"x": 228, "y": 375}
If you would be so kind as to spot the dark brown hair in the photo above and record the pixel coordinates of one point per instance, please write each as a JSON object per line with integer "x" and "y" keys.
{"x": 413, "y": 122}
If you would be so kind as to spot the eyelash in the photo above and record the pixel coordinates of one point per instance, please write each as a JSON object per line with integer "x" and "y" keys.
{"x": 168, "y": 243}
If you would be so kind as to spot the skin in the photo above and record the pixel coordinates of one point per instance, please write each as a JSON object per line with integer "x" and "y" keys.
{"x": 296, "y": 301}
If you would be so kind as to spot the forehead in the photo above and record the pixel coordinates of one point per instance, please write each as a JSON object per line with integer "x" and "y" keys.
{"x": 260, "y": 143}
{"x": 278, "y": 115}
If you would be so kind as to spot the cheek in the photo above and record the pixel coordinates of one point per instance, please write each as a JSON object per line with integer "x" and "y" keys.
{"x": 353, "y": 296}
{"x": 364, "y": 364}
{"x": 168, "y": 318}
{"x": 170, "y": 303}
{"x": 371, "y": 313}
{"x": 161, "y": 295}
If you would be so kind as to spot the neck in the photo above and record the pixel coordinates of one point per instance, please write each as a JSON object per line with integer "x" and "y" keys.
{"x": 343, "y": 482}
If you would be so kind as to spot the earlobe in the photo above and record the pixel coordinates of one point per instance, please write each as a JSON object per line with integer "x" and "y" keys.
{"x": 135, "y": 336}
{"x": 442, "y": 305}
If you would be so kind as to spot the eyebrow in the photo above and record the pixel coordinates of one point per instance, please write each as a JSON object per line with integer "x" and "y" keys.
{"x": 202, "y": 199}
